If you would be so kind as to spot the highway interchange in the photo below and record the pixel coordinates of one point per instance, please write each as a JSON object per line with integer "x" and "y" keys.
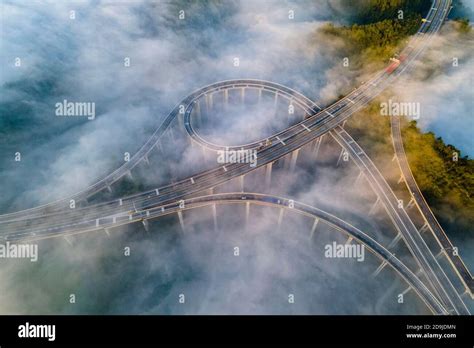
{"x": 56, "y": 219}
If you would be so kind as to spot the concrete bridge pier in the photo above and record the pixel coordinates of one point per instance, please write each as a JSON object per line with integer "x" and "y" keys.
{"x": 280, "y": 217}
{"x": 211, "y": 101}
{"x": 206, "y": 100}
{"x": 401, "y": 179}
{"x": 379, "y": 269}
{"x": 359, "y": 177}
{"x": 441, "y": 253}
{"x": 317, "y": 145}
{"x": 198, "y": 112}
{"x": 146, "y": 225}
{"x": 268, "y": 174}
{"x": 294, "y": 157}
{"x": 181, "y": 220}
{"x": 214, "y": 215}
{"x": 410, "y": 204}
{"x": 424, "y": 228}
{"x": 395, "y": 240}
{"x": 158, "y": 146}
{"x": 341, "y": 155}
{"x": 226, "y": 98}
{"x": 374, "y": 207}
{"x": 181, "y": 120}
{"x": 242, "y": 95}
{"x": 247, "y": 213}
{"x": 241, "y": 180}
{"x": 68, "y": 240}
{"x": 260, "y": 95}
{"x": 313, "y": 228}
{"x": 171, "y": 134}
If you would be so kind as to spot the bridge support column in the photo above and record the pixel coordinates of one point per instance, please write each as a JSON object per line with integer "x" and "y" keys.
{"x": 349, "y": 240}
{"x": 290, "y": 113}
{"x": 313, "y": 229}
{"x": 214, "y": 216}
{"x": 158, "y": 146}
{"x": 424, "y": 228}
{"x": 395, "y": 241}
{"x": 317, "y": 145}
{"x": 394, "y": 157}
{"x": 226, "y": 98}
{"x": 129, "y": 174}
{"x": 401, "y": 179}
{"x": 181, "y": 120}
{"x": 107, "y": 231}
{"x": 410, "y": 204}
{"x": 242, "y": 95}
{"x": 181, "y": 220}
{"x": 374, "y": 206}
{"x": 441, "y": 254}
{"x": 294, "y": 157}
{"x": 275, "y": 101}
{"x": 171, "y": 134}
{"x": 68, "y": 240}
{"x": 146, "y": 225}
{"x": 379, "y": 269}
{"x": 259, "y": 95}
{"x": 198, "y": 112}
{"x": 406, "y": 291}
{"x": 280, "y": 217}
{"x": 145, "y": 158}
{"x": 247, "y": 213}
{"x": 206, "y": 99}
{"x": 343, "y": 151}
{"x": 211, "y": 101}
{"x": 109, "y": 188}
{"x": 268, "y": 174}
{"x": 241, "y": 179}
{"x": 359, "y": 177}
{"x": 287, "y": 161}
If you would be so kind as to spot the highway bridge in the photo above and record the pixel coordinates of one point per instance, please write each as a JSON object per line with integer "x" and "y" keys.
{"x": 329, "y": 117}
{"x": 406, "y": 228}
{"x": 431, "y": 222}
{"x": 56, "y": 219}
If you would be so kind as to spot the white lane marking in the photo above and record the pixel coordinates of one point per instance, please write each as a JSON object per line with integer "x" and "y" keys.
{"x": 309, "y": 130}
{"x": 281, "y": 141}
